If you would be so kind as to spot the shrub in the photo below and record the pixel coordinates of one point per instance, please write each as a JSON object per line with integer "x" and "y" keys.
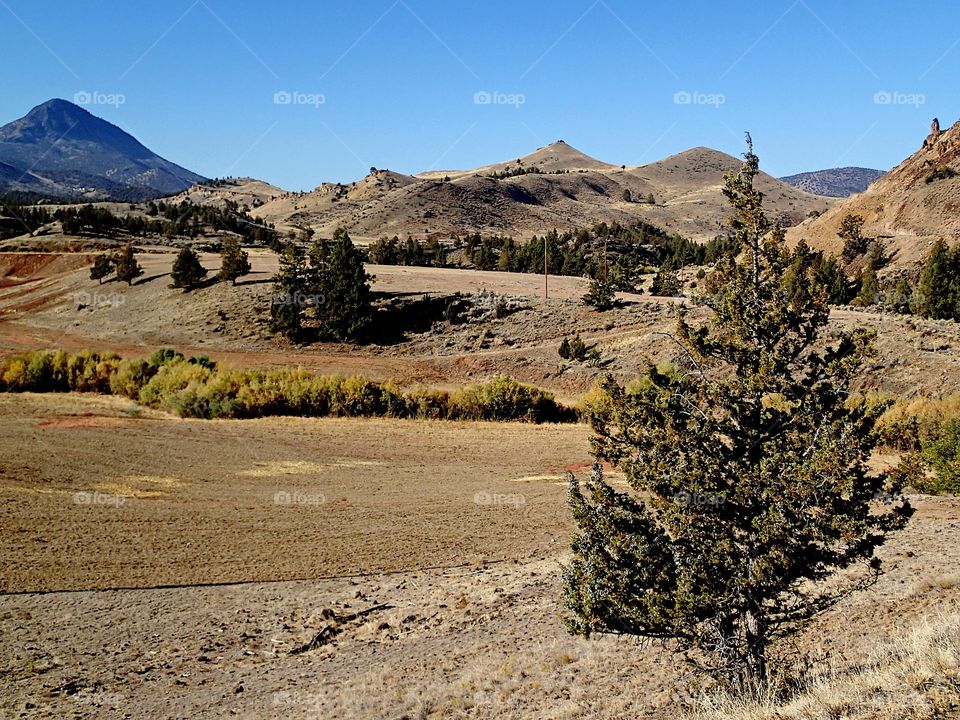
{"x": 941, "y": 450}
{"x": 503, "y": 398}
{"x": 944, "y": 172}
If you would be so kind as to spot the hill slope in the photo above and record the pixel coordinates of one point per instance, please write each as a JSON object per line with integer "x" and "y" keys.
{"x": 556, "y": 186}
{"x": 835, "y": 182}
{"x": 910, "y": 207}
{"x": 60, "y": 149}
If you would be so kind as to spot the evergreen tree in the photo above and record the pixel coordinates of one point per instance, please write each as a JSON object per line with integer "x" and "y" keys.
{"x": 899, "y": 300}
{"x": 234, "y": 262}
{"x": 102, "y": 266}
{"x": 665, "y": 282}
{"x": 938, "y": 293}
{"x": 187, "y": 272}
{"x": 869, "y": 287}
{"x": 601, "y": 294}
{"x": 127, "y": 266}
{"x": 748, "y": 470}
{"x": 290, "y": 288}
{"x": 851, "y": 231}
{"x": 347, "y": 309}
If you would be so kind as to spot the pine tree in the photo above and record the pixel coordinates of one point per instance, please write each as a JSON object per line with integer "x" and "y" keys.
{"x": 601, "y": 294}
{"x": 851, "y": 231}
{"x": 747, "y": 468}
{"x": 127, "y": 266}
{"x": 234, "y": 262}
{"x": 938, "y": 293}
{"x": 102, "y": 266}
{"x": 869, "y": 287}
{"x": 290, "y": 287}
{"x": 187, "y": 272}
{"x": 899, "y": 300}
{"x": 347, "y": 307}
{"x": 665, "y": 282}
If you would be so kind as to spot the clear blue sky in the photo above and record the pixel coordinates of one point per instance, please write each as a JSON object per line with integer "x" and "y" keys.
{"x": 398, "y": 79}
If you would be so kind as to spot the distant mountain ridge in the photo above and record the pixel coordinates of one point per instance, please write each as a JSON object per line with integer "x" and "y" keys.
{"x": 59, "y": 149}
{"x": 835, "y": 182}
{"x": 554, "y": 187}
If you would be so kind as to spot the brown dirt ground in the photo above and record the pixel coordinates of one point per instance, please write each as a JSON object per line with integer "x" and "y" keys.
{"x": 481, "y": 640}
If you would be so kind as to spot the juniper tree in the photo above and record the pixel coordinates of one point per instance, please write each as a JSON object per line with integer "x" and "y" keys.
{"x": 290, "y": 286}
{"x": 347, "y": 307}
{"x": 187, "y": 272}
{"x": 234, "y": 262}
{"x": 747, "y": 473}
{"x": 127, "y": 266}
{"x": 600, "y": 294}
{"x": 102, "y": 266}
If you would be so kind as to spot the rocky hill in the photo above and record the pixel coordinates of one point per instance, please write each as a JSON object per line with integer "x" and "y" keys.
{"x": 910, "y": 207}
{"x": 835, "y": 182}
{"x": 556, "y": 186}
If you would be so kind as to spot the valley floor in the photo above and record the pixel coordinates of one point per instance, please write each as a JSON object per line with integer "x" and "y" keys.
{"x": 369, "y": 506}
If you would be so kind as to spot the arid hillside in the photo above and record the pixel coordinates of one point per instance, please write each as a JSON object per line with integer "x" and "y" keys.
{"x": 912, "y": 206}
{"x": 554, "y": 187}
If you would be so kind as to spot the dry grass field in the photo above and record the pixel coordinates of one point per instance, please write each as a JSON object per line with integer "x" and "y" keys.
{"x": 151, "y": 570}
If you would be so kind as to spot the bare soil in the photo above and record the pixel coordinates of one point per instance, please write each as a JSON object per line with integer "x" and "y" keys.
{"x": 477, "y": 635}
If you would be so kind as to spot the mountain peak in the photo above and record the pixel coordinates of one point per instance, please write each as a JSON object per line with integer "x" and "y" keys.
{"x": 76, "y": 153}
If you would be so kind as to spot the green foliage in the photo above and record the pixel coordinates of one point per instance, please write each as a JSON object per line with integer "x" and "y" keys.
{"x": 851, "y": 231}
{"x": 347, "y": 309}
{"x": 869, "y": 287}
{"x": 941, "y": 450}
{"x": 291, "y": 286}
{"x": 128, "y": 269}
{"x": 577, "y": 349}
{"x": 601, "y": 294}
{"x": 234, "y": 262}
{"x": 944, "y": 172}
{"x": 666, "y": 283}
{"x": 747, "y": 470}
{"x": 102, "y": 266}
{"x": 938, "y": 292}
{"x": 187, "y": 272}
